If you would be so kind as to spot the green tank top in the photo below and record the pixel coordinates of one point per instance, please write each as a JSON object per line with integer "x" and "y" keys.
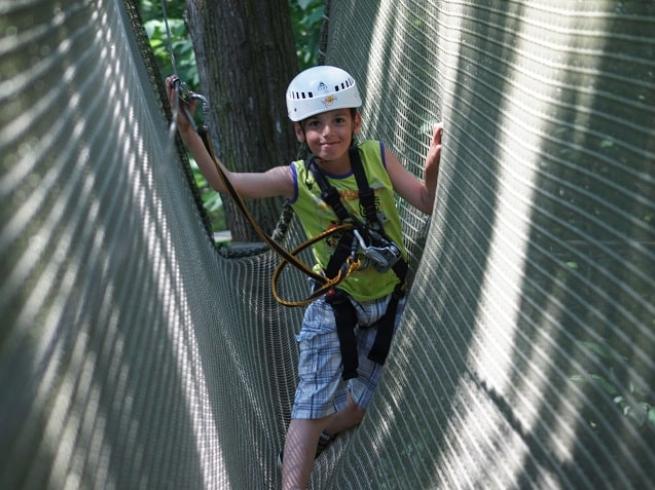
{"x": 316, "y": 216}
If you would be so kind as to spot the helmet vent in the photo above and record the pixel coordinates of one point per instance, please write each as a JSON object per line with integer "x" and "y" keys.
{"x": 319, "y": 89}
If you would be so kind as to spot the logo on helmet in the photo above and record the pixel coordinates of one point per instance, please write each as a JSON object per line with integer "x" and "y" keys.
{"x": 328, "y": 101}
{"x": 322, "y": 87}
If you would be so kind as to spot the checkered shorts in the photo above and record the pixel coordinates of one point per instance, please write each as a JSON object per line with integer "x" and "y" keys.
{"x": 321, "y": 391}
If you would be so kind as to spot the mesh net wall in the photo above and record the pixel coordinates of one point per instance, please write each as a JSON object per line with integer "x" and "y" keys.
{"x": 134, "y": 355}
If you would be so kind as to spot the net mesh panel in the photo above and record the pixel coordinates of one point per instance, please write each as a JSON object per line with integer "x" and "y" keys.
{"x": 134, "y": 355}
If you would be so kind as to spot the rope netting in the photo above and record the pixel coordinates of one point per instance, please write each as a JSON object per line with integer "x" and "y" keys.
{"x": 134, "y": 355}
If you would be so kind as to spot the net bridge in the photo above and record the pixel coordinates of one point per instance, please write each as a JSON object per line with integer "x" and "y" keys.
{"x": 134, "y": 354}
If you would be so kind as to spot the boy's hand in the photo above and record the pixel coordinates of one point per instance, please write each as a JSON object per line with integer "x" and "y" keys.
{"x": 434, "y": 152}
{"x": 432, "y": 159}
{"x": 183, "y": 124}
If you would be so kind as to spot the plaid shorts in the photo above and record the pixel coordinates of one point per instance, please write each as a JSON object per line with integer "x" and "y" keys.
{"x": 321, "y": 391}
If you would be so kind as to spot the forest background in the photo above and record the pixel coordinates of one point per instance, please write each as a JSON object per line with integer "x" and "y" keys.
{"x": 306, "y": 19}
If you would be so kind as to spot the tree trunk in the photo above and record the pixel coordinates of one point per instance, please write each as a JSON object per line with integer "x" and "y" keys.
{"x": 246, "y": 57}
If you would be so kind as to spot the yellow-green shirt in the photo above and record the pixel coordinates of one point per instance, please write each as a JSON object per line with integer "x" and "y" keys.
{"x": 316, "y": 216}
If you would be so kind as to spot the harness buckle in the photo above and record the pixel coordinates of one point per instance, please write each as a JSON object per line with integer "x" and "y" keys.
{"x": 381, "y": 258}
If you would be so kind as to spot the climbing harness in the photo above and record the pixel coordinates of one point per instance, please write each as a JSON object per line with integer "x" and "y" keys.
{"x": 378, "y": 251}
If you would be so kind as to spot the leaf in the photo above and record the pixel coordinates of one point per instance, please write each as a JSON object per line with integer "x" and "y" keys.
{"x": 314, "y": 18}
{"x": 608, "y": 387}
{"x": 151, "y": 27}
{"x": 603, "y": 350}
{"x": 638, "y": 412}
{"x": 303, "y": 4}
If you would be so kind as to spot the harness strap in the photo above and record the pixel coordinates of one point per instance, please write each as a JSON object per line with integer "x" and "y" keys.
{"x": 345, "y": 317}
{"x": 341, "y": 252}
{"x": 328, "y": 193}
{"x": 344, "y": 312}
{"x": 385, "y": 326}
{"x": 366, "y": 194}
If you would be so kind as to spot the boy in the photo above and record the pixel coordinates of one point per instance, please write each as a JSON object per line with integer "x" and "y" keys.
{"x": 341, "y": 354}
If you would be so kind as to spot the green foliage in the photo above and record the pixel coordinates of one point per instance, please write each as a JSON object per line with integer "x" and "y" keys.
{"x": 185, "y": 59}
{"x": 306, "y": 19}
{"x": 211, "y": 200}
{"x": 152, "y": 9}
{"x": 153, "y": 22}
{"x": 633, "y": 403}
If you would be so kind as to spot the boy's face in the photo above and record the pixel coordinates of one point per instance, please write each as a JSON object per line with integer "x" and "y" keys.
{"x": 329, "y": 134}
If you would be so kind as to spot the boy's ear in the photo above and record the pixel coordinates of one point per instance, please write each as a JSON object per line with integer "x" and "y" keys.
{"x": 300, "y": 134}
{"x": 357, "y": 123}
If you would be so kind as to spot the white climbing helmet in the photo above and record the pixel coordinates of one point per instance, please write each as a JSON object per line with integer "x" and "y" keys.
{"x": 320, "y": 89}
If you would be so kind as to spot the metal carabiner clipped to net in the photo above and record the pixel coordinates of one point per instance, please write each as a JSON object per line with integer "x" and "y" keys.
{"x": 185, "y": 98}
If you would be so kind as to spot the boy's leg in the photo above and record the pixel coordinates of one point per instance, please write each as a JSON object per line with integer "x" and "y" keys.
{"x": 319, "y": 372}
{"x": 320, "y": 384}
{"x": 346, "y": 418}
{"x": 300, "y": 450}
{"x": 302, "y": 440}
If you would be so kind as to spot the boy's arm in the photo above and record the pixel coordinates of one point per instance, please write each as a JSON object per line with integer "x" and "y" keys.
{"x": 274, "y": 182}
{"x": 418, "y": 193}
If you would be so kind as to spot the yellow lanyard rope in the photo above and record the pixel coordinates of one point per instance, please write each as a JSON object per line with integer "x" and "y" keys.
{"x": 287, "y": 257}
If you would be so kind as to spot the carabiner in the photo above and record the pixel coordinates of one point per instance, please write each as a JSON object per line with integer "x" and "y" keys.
{"x": 185, "y": 97}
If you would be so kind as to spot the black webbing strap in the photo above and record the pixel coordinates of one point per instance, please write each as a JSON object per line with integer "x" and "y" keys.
{"x": 331, "y": 197}
{"x": 366, "y": 194}
{"x": 345, "y": 317}
{"x": 340, "y": 254}
{"x": 328, "y": 193}
{"x": 385, "y": 325}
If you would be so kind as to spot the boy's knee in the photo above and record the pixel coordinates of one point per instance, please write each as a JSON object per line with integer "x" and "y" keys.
{"x": 356, "y": 411}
